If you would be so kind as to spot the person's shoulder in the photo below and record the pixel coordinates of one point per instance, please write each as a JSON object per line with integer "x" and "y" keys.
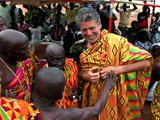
{"x": 115, "y": 39}
{"x": 70, "y": 62}
{"x": 80, "y": 41}
{"x": 71, "y": 113}
{"x": 115, "y": 36}
{"x": 63, "y": 15}
{"x": 121, "y": 11}
{"x": 78, "y": 46}
{"x": 40, "y": 28}
{"x": 130, "y": 9}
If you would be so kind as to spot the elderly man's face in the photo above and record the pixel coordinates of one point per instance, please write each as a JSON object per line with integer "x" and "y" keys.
{"x": 56, "y": 59}
{"x": 2, "y": 24}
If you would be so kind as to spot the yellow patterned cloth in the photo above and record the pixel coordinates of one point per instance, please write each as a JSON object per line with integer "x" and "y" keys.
{"x": 14, "y": 109}
{"x": 71, "y": 75}
{"x": 155, "y": 106}
{"x": 128, "y": 95}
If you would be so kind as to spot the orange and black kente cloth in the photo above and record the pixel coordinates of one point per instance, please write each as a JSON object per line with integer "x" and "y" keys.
{"x": 127, "y": 97}
{"x": 16, "y": 109}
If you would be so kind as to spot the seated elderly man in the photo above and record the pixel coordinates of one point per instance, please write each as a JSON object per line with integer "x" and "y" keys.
{"x": 49, "y": 86}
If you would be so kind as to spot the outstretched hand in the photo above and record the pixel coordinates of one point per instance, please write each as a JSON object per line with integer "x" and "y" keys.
{"x": 111, "y": 79}
{"x": 104, "y": 71}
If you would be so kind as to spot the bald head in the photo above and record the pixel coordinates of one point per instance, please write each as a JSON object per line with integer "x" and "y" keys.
{"x": 55, "y": 55}
{"x": 15, "y": 42}
{"x": 9, "y": 36}
{"x": 49, "y": 83}
{"x": 55, "y": 48}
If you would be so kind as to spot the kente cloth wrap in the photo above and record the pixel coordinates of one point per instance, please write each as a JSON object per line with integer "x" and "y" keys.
{"x": 155, "y": 105}
{"x": 71, "y": 75}
{"x": 22, "y": 81}
{"x": 127, "y": 97}
{"x": 14, "y": 109}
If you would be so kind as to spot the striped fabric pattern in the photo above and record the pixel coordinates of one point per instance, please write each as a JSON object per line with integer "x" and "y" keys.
{"x": 127, "y": 97}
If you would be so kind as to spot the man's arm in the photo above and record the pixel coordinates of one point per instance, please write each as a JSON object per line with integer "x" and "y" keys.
{"x": 125, "y": 68}
{"x": 86, "y": 113}
{"x": 148, "y": 12}
{"x": 92, "y": 76}
{"x": 134, "y": 67}
{"x": 134, "y": 7}
{"x": 117, "y": 9}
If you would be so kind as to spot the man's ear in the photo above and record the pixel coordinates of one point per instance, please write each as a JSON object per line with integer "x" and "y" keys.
{"x": 99, "y": 23}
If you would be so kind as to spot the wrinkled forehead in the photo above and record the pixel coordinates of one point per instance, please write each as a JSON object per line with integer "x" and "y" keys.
{"x": 57, "y": 54}
{"x": 55, "y": 51}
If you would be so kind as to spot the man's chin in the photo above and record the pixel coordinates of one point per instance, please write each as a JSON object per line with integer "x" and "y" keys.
{"x": 92, "y": 41}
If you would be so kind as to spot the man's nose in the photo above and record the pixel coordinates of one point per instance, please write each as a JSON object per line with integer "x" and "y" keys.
{"x": 89, "y": 32}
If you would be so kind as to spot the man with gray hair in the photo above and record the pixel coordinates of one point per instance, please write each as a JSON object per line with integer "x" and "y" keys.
{"x": 100, "y": 52}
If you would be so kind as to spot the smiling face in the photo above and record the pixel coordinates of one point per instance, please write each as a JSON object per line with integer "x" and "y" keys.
{"x": 90, "y": 30}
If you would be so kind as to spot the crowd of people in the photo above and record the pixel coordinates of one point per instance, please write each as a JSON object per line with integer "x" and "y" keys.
{"x": 90, "y": 73}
